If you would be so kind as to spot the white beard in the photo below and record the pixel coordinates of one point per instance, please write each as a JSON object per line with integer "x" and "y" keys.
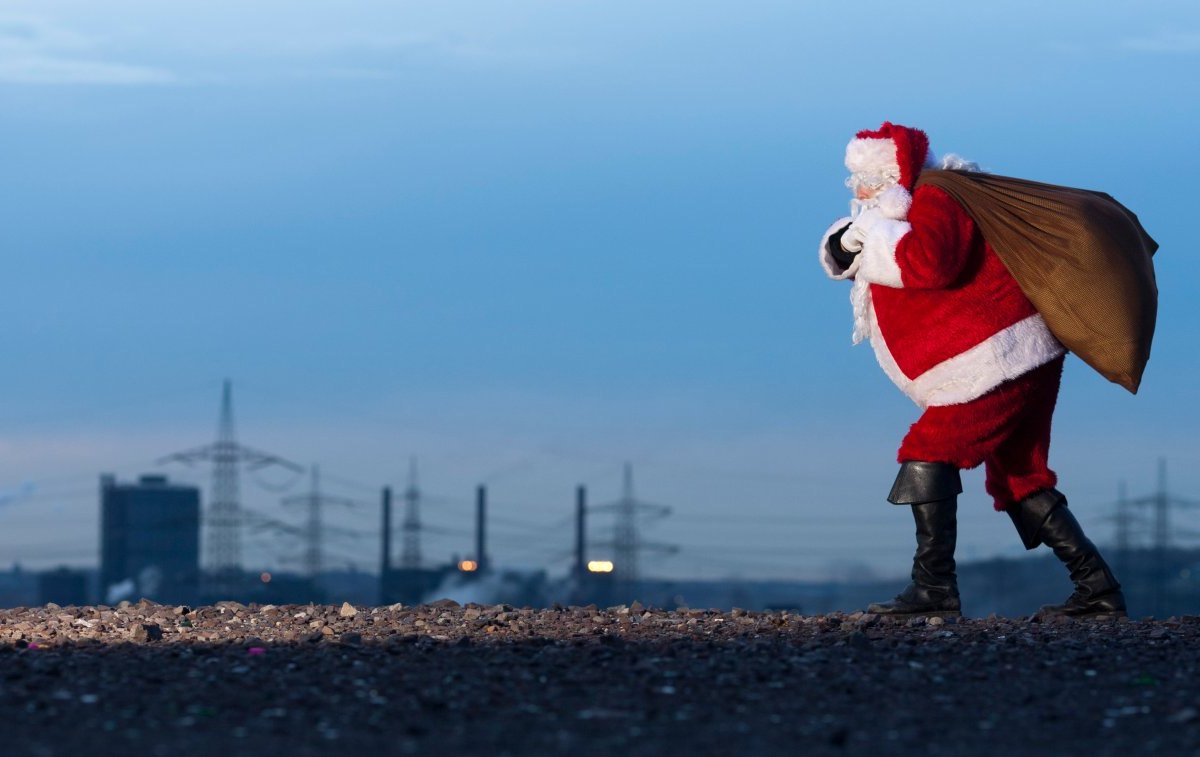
{"x": 857, "y": 206}
{"x": 860, "y": 293}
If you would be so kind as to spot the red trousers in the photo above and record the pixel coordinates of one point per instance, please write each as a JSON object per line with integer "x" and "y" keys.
{"x": 1007, "y": 429}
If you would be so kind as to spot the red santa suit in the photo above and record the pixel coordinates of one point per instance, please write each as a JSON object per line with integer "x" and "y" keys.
{"x": 948, "y": 323}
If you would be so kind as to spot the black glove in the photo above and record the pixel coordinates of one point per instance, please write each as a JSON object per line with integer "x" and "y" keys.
{"x": 834, "y": 247}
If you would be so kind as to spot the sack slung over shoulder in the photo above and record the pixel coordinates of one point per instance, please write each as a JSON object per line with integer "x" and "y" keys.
{"x": 1082, "y": 258}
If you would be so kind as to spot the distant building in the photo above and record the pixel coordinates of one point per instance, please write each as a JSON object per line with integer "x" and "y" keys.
{"x": 18, "y": 588}
{"x": 149, "y": 540}
{"x": 63, "y": 586}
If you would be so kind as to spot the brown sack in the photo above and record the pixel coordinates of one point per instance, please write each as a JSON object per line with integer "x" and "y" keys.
{"x": 1081, "y": 258}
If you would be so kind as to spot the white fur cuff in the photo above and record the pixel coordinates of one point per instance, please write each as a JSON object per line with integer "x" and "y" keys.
{"x": 878, "y": 257}
{"x": 832, "y": 268}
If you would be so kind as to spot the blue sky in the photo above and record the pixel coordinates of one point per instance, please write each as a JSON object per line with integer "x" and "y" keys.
{"x": 528, "y": 242}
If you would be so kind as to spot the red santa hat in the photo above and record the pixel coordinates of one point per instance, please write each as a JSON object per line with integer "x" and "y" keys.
{"x": 891, "y": 154}
{"x": 893, "y": 151}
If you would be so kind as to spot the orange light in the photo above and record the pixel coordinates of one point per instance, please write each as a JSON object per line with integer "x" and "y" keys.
{"x": 468, "y": 566}
{"x": 265, "y": 577}
{"x": 600, "y": 566}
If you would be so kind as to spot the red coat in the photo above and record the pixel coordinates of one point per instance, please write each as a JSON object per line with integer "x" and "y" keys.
{"x": 947, "y": 321}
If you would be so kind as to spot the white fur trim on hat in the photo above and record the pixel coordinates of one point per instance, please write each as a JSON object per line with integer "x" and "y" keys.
{"x": 873, "y": 156}
{"x": 832, "y": 268}
{"x": 878, "y": 256}
{"x": 1007, "y": 354}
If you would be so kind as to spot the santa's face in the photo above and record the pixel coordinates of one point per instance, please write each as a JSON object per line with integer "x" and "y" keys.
{"x": 866, "y": 194}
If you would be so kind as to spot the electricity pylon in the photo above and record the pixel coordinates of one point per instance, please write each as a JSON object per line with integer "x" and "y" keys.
{"x": 223, "y": 517}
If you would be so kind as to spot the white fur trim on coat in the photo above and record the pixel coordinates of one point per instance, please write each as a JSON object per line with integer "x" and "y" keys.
{"x": 894, "y": 202}
{"x": 831, "y": 266}
{"x": 1007, "y": 354}
{"x": 878, "y": 256}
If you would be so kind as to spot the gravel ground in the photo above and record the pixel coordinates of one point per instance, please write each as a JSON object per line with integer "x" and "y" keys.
{"x": 440, "y": 678}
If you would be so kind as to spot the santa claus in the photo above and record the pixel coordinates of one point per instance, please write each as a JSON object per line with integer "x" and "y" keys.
{"x": 951, "y": 327}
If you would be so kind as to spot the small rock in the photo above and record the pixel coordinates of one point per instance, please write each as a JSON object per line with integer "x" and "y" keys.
{"x": 347, "y": 610}
{"x": 351, "y": 639}
{"x": 444, "y": 603}
{"x": 937, "y": 621}
{"x": 147, "y": 632}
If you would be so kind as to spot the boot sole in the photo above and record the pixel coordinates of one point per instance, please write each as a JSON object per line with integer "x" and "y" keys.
{"x": 1089, "y": 616}
{"x": 909, "y": 615}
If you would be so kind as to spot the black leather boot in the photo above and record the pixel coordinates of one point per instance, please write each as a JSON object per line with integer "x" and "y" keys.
{"x": 1043, "y": 518}
{"x": 932, "y": 490}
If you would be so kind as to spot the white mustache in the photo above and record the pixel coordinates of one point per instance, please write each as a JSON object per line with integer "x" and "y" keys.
{"x": 857, "y": 206}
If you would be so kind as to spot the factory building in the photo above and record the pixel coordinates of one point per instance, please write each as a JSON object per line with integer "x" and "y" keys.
{"x": 149, "y": 540}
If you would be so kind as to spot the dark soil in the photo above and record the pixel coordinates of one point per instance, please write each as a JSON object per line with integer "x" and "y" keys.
{"x": 444, "y": 679}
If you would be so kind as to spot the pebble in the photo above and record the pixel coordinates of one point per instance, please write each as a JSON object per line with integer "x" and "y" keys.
{"x": 147, "y": 632}
{"x": 858, "y": 640}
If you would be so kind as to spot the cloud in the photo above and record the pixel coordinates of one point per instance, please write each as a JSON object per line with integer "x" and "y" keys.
{"x": 1164, "y": 42}
{"x": 265, "y": 44}
{"x": 44, "y": 70}
{"x": 35, "y": 51}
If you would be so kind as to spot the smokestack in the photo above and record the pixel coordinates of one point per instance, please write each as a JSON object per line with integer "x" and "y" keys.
{"x": 385, "y": 561}
{"x": 480, "y": 526}
{"x": 580, "y": 532}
